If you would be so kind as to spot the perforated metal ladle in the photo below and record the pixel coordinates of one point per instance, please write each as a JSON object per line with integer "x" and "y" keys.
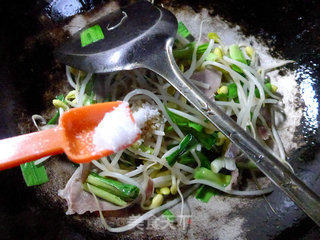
{"x": 141, "y": 36}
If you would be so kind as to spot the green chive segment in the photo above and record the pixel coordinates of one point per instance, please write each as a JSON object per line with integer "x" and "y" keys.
{"x": 185, "y": 145}
{"x": 34, "y": 175}
{"x": 122, "y": 190}
{"x": 183, "y": 122}
{"x": 236, "y": 54}
{"x": 187, "y": 51}
{"x": 217, "y": 178}
{"x": 104, "y": 194}
{"x": 169, "y": 215}
{"x": 205, "y": 193}
{"x": 182, "y": 30}
{"x": 91, "y": 35}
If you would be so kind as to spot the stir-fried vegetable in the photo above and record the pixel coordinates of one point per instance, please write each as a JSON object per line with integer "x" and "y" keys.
{"x": 178, "y": 147}
{"x": 124, "y": 191}
{"x": 104, "y": 194}
{"x": 184, "y": 146}
{"x": 205, "y": 193}
{"x": 34, "y": 175}
{"x": 218, "y": 178}
{"x": 183, "y": 122}
{"x": 182, "y": 30}
{"x": 186, "y": 52}
{"x": 169, "y": 215}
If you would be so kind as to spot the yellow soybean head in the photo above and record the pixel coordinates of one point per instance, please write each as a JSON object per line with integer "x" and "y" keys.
{"x": 249, "y": 51}
{"x": 71, "y": 95}
{"x": 209, "y": 130}
{"x": 164, "y": 191}
{"x": 223, "y": 90}
{"x": 218, "y": 52}
{"x": 156, "y": 201}
{"x": 214, "y": 36}
{"x": 59, "y": 104}
{"x": 221, "y": 139}
{"x": 274, "y": 88}
{"x": 171, "y": 90}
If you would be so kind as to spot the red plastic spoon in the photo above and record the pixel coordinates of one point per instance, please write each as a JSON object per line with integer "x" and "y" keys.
{"x": 73, "y": 136}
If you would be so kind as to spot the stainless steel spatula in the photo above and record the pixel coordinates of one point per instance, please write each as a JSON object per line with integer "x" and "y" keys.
{"x": 141, "y": 36}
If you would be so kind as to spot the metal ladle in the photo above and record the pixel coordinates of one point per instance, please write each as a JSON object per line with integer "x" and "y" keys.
{"x": 141, "y": 36}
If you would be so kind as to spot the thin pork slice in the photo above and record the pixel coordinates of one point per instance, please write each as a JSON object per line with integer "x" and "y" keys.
{"x": 210, "y": 77}
{"x": 78, "y": 200}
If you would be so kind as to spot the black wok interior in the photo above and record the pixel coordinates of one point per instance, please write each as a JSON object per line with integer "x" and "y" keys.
{"x": 28, "y": 68}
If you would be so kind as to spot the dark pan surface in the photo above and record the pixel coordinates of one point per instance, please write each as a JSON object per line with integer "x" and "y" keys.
{"x": 291, "y": 27}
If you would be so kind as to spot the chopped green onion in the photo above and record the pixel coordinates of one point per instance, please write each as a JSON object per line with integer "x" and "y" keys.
{"x": 232, "y": 91}
{"x": 169, "y": 215}
{"x": 103, "y": 194}
{"x": 206, "y": 140}
{"x": 186, "y": 159}
{"x": 204, "y": 193}
{"x": 185, "y": 145}
{"x": 122, "y": 190}
{"x": 33, "y": 174}
{"x": 268, "y": 85}
{"x": 91, "y": 35}
{"x": 187, "y": 51}
{"x": 181, "y": 121}
{"x": 182, "y": 30}
{"x": 221, "y": 97}
{"x": 218, "y": 178}
{"x": 204, "y": 160}
{"x": 195, "y": 126}
{"x": 236, "y": 54}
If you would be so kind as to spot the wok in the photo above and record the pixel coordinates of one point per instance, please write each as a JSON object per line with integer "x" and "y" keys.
{"x": 30, "y": 76}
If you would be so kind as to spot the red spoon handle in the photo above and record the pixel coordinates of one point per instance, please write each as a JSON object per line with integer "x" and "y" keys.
{"x": 28, "y": 147}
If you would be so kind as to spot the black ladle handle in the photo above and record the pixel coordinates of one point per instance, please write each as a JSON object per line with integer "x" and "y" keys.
{"x": 297, "y": 190}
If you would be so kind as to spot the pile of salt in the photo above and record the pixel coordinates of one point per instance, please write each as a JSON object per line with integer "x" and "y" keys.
{"x": 116, "y": 130}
